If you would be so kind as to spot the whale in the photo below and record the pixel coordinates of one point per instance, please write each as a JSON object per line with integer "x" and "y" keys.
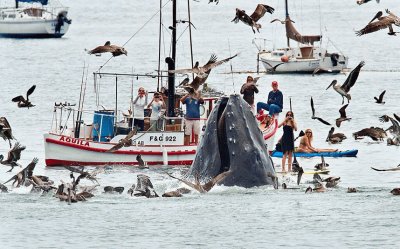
{"x": 233, "y": 142}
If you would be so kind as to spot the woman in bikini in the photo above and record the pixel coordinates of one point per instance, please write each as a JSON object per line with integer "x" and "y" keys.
{"x": 305, "y": 144}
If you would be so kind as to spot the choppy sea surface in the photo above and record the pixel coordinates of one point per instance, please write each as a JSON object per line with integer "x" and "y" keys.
{"x": 229, "y": 217}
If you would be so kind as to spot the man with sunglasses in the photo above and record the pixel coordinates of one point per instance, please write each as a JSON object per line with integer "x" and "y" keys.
{"x": 275, "y": 101}
{"x": 138, "y": 109}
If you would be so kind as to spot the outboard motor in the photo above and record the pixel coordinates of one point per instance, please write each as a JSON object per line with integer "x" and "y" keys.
{"x": 334, "y": 59}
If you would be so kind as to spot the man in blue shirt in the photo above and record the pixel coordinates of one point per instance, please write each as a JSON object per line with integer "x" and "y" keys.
{"x": 275, "y": 101}
{"x": 192, "y": 100}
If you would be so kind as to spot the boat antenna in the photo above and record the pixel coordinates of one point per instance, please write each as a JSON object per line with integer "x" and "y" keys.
{"x": 287, "y": 18}
{"x": 159, "y": 49}
{"x": 190, "y": 36}
{"x": 81, "y": 99}
{"x": 230, "y": 63}
{"x": 130, "y": 38}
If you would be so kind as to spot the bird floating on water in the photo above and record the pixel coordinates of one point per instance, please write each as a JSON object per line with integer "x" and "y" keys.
{"x": 252, "y": 20}
{"x": 335, "y": 137}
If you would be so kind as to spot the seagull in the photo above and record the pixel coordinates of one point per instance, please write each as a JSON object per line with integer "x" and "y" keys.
{"x": 107, "y": 47}
{"x": 5, "y": 130}
{"x": 380, "y": 99}
{"x": 335, "y": 137}
{"x": 13, "y": 156}
{"x": 22, "y": 102}
{"x": 126, "y": 141}
{"x": 382, "y": 23}
{"x": 343, "y": 116}
{"x": 202, "y": 72}
{"x": 350, "y": 81}
{"x": 313, "y": 114}
{"x": 252, "y": 20}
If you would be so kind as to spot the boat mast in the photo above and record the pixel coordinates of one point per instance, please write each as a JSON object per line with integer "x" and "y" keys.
{"x": 287, "y": 19}
{"x": 171, "y": 65}
{"x": 16, "y": 4}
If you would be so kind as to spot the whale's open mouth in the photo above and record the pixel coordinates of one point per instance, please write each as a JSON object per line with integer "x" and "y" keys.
{"x": 222, "y": 138}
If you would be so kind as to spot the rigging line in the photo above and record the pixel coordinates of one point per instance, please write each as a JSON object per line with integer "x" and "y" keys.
{"x": 137, "y": 31}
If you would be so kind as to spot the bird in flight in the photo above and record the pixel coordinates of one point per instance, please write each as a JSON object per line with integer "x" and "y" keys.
{"x": 313, "y": 114}
{"x": 252, "y": 20}
{"x": 383, "y": 22}
{"x": 107, "y": 47}
{"x": 22, "y": 102}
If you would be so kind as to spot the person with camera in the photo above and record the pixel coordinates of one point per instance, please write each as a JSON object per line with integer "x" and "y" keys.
{"x": 287, "y": 140}
{"x": 192, "y": 100}
{"x": 138, "y": 107}
{"x": 156, "y": 105}
{"x": 248, "y": 89}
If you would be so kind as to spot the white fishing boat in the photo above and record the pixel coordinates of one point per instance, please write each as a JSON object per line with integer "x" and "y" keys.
{"x": 303, "y": 58}
{"x": 34, "y": 19}
{"x": 84, "y": 136}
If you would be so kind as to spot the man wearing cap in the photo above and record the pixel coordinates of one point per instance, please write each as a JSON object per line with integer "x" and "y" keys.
{"x": 275, "y": 101}
{"x": 248, "y": 89}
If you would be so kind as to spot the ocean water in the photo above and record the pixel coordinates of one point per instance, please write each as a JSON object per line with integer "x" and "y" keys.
{"x": 227, "y": 216}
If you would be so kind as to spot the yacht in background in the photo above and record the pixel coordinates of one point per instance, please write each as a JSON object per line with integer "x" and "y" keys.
{"x": 34, "y": 19}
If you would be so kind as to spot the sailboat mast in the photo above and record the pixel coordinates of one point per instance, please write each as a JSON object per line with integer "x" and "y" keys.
{"x": 171, "y": 66}
{"x": 287, "y": 19}
{"x": 16, "y": 4}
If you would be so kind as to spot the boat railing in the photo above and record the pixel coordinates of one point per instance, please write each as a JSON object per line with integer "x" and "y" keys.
{"x": 66, "y": 121}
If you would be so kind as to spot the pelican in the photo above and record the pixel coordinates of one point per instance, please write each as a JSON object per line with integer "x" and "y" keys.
{"x": 350, "y": 81}
{"x": 395, "y": 191}
{"x": 335, "y": 137}
{"x": 142, "y": 164}
{"x": 5, "y": 130}
{"x": 107, "y": 47}
{"x": 24, "y": 174}
{"x": 343, "y": 116}
{"x": 322, "y": 165}
{"x": 379, "y": 100}
{"x": 351, "y": 190}
{"x": 375, "y": 133}
{"x": 252, "y": 20}
{"x": 359, "y": 2}
{"x": 203, "y": 71}
{"x": 382, "y": 23}
{"x": 313, "y": 114}
{"x": 22, "y": 102}
{"x": 126, "y": 141}
{"x": 205, "y": 187}
{"x": 331, "y": 181}
{"x": 13, "y": 156}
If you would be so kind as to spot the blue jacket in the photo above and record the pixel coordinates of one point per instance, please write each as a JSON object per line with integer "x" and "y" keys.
{"x": 276, "y": 98}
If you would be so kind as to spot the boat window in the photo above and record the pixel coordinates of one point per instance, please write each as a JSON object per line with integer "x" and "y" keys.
{"x": 11, "y": 16}
{"x": 33, "y": 12}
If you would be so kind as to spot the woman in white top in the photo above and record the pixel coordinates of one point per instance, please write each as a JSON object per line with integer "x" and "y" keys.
{"x": 138, "y": 109}
{"x": 156, "y": 104}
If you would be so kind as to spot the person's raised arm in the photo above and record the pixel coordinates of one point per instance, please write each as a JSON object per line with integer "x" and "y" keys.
{"x": 242, "y": 89}
{"x": 294, "y": 125}
{"x": 146, "y": 99}
{"x": 255, "y": 89}
{"x": 183, "y": 99}
{"x": 136, "y": 99}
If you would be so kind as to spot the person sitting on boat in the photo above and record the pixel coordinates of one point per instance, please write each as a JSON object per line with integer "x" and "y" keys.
{"x": 192, "y": 100}
{"x": 305, "y": 144}
{"x": 156, "y": 105}
{"x": 248, "y": 89}
{"x": 264, "y": 119}
{"x": 138, "y": 107}
{"x": 275, "y": 101}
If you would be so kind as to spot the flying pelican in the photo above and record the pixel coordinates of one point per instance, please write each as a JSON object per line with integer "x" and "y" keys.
{"x": 5, "y": 130}
{"x": 126, "y": 141}
{"x": 380, "y": 99}
{"x": 201, "y": 71}
{"x": 107, "y": 47}
{"x": 13, "y": 156}
{"x": 343, "y": 116}
{"x": 313, "y": 114}
{"x": 350, "y": 81}
{"x": 375, "y": 133}
{"x": 22, "y": 102}
{"x": 335, "y": 137}
{"x": 382, "y": 23}
{"x": 359, "y": 2}
{"x": 252, "y": 20}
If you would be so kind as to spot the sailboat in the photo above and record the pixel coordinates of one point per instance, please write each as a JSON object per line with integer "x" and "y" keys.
{"x": 33, "y": 19}
{"x": 304, "y": 58}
